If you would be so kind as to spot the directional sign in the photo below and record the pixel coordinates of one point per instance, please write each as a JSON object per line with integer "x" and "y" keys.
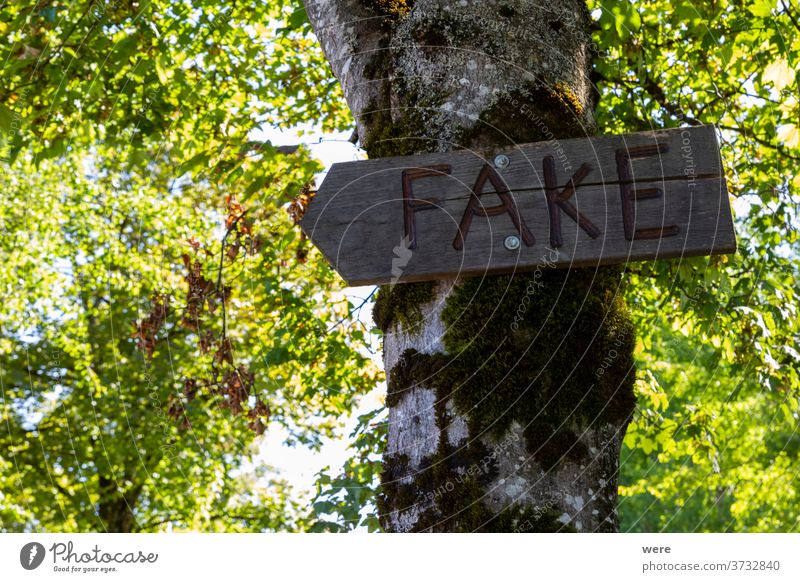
{"x": 580, "y": 202}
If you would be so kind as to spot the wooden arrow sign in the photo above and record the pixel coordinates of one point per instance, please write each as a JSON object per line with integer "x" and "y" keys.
{"x": 580, "y": 202}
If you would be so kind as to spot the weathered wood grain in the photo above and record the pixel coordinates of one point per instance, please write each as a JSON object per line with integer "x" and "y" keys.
{"x": 640, "y": 196}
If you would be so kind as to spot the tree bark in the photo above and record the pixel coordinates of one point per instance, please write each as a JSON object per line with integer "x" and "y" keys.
{"x": 508, "y": 396}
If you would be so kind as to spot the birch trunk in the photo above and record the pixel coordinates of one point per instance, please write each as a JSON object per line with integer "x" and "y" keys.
{"x": 509, "y": 396}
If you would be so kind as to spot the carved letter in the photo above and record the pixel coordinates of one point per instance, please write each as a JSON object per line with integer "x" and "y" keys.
{"x": 474, "y": 207}
{"x": 411, "y": 204}
{"x": 556, "y": 201}
{"x": 630, "y": 194}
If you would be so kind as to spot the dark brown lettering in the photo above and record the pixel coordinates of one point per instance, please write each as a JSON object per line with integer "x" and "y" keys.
{"x": 475, "y": 208}
{"x": 630, "y": 194}
{"x": 558, "y": 201}
{"x": 411, "y": 204}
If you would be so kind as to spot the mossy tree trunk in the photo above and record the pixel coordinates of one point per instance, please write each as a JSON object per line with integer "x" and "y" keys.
{"x": 509, "y": 396}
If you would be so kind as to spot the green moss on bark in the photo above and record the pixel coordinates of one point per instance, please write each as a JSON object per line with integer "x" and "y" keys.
{"x": 554, "y": 348}
{"x": 390, "y": 8}
{"x": 401, "y": 303}
{"x": 550, "y": 445}
{"x": 568, "y": 97}
{"x": 394, "y": 493}
{"x": 404, "y": 136}
{"x": 552, "y": 351}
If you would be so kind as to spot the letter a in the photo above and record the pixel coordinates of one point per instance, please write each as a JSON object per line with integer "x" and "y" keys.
{"x": 475, "y": 208}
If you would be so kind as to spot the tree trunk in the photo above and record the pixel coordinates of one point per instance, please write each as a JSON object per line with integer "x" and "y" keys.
{"x": 508, "y": 396}
{"x": 115, "y": 507}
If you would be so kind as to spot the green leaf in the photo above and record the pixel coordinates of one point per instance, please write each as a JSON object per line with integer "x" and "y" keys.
{"x": 162, "y": 70}
{"x": 761, "y": 8}
{"x": 6, "y": 118}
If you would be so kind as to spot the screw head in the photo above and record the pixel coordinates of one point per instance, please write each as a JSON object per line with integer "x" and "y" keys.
{"x": 501, "y": 161}
{"x": 511, "y": 242}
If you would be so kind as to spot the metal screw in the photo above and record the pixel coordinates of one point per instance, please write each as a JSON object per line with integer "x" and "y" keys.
{"x": 501, "y": 161}
{"x": 511, "y": 242}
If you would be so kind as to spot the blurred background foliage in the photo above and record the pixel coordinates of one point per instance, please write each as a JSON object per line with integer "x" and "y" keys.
{"x": 161, "y": 311}
{"x": 714, "y": 446}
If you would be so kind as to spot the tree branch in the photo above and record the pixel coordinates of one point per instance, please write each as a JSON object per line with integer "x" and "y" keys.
{"x": 751, "y": 135}
{"x": 788, "y": 12}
